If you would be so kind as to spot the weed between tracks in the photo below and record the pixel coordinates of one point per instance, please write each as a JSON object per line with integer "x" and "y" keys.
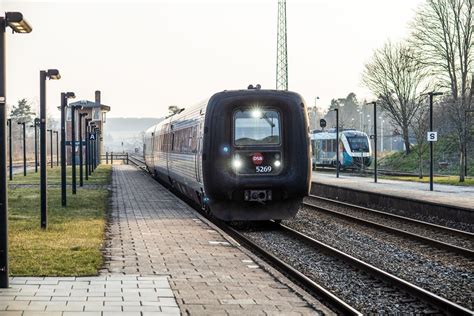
{"x": 71, "y": 245}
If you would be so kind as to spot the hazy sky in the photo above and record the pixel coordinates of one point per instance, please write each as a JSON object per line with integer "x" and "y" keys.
{"x": 147, "y": 55}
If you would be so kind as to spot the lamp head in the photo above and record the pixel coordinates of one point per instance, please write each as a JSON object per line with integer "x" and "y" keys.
{"x": 16, "y": 22}
{"x": 70, "y": 95}
{"x": 53, "y": 74}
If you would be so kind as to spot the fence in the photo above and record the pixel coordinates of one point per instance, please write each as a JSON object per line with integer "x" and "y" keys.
{"x": 123, "y": 157}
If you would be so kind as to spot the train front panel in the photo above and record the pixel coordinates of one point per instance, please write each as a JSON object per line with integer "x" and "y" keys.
{"x": 256, "y": 154}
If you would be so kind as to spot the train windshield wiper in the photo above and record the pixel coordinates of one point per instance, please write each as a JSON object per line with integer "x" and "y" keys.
{"x": 264, "y": 116}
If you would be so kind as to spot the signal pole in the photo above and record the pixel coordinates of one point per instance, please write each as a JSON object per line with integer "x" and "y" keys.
{"x": 282, "y": 56}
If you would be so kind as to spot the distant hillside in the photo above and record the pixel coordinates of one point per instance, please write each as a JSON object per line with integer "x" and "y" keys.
{"x": 130, "y": 124}
{"x": 126, "y": 134}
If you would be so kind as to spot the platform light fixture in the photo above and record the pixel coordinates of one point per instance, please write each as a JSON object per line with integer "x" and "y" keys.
{"x": 18, "y": 24}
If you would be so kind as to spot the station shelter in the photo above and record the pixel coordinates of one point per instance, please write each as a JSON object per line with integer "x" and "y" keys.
{"x": 95, "y": 118}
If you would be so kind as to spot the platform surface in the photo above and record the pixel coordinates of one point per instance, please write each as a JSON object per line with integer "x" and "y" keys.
{"x": 155, "y": 233}
{"x": 460, "y": 196}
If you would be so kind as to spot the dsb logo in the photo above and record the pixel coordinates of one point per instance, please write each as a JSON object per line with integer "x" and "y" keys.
{"x": 257, "y": 159}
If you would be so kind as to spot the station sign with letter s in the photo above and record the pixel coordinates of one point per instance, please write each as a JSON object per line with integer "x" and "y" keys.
{"x": 432, "y": 136}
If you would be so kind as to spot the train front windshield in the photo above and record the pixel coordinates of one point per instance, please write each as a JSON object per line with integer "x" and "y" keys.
{"x": 256, "y": 127}
{"x": 358, "y": 143}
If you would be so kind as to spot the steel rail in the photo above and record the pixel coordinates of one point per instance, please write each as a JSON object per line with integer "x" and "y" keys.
{"x": 462, "y": 233}
{"x": 453, "y": 248}
{"x": 411, "y": 221}
{"x": 438, "y": 301}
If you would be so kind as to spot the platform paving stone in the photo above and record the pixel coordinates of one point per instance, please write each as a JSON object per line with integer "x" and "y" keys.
{"x": 108, "y": 294}
{"x": 161, "y": 258}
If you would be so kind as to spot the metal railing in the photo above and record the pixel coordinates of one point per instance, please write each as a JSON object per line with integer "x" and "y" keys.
{"x": 124, "y": 157}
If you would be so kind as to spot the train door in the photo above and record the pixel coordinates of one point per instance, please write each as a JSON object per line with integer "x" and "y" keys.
{"x": 198, "y": 157}
{"x": 152, "y": 150}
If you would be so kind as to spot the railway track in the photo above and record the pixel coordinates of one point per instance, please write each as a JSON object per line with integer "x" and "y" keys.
{"x": 456, "y": 241}
{"x": 365, "y": 287}
{"x": 344, "y": 283}
{"x": 137, "y": 161}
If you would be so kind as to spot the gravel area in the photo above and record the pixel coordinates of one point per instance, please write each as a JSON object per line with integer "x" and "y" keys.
{"x": 434, "y": 233}
{"x": 449, "y": 276}
{"x": 362, "y": 291}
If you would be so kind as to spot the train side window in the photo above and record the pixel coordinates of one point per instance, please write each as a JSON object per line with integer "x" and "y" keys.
{"x": 172, "y": 142}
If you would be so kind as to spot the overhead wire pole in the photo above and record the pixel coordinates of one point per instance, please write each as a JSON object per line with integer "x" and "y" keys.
{"x": 282, "y": 56}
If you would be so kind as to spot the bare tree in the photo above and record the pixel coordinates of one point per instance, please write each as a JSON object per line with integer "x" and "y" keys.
{"x": 442, "y": 38}
{"x": 396, "y": 77}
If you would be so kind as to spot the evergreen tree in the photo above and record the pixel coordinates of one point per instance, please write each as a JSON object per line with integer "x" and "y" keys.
{"x": 22, "y": 112}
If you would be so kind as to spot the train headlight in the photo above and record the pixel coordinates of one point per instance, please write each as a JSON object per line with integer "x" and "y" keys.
{"x": 256, "y": 113}
{"x": 277, "y": 163}
{"x": 236, "y": 163}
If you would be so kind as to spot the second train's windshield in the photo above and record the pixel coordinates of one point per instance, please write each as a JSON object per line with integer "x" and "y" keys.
{"x": 358, "y": 143}
{"x": 256, "y": 127}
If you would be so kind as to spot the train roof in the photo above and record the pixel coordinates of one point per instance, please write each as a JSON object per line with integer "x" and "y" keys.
{"x": 331, "y": 133}
{"x": 202, "y": 106}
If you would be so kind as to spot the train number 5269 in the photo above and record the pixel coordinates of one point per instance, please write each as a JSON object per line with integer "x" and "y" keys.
{"x": 263, "y": 169}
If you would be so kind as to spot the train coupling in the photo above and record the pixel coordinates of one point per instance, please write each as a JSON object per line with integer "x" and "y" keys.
{"x": 258, "y": 195}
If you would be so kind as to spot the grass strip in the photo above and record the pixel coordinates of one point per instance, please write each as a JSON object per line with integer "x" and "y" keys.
{"x": 72, "y": 243}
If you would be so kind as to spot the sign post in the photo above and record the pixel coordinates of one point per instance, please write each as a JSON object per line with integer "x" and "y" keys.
{"x": 430, "y": 135}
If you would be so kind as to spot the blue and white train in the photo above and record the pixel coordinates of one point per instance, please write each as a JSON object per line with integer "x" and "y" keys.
{"x": 355, "y": 150}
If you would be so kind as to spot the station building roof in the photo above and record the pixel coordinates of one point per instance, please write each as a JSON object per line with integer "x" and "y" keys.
{"x": 90, "y": 104}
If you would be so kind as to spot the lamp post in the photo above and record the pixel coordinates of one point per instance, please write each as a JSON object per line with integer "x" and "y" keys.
{"x": 51, "y": 145}
{"x": 375, "y": 140}
{"x": 64, "y": 97}
{"x": 431, "y": 94}
{"x": 16, "y": 22}
{"x": 35, "y": 126}
{"x": 57, "y": 147}
{"x": 337, "y": 142}
{"x": 10, "y": 148}
{"x": 44, "y": 74}
{"x": 97, "y": 147}
{"x": 91, "y": 148}
{"x": 81, "y": 160}
{"x": 73, "y": 147}
{"x": 24, "y": 147}
{"x": 87, "y": 154}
